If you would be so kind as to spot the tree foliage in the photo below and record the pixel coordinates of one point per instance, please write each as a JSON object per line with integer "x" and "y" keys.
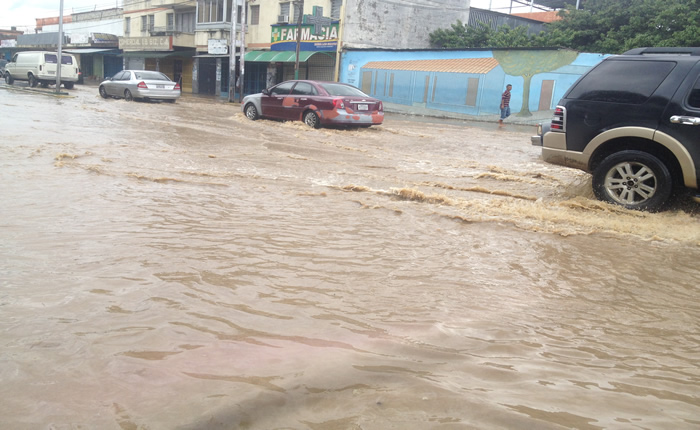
{"x": 604, "y": 26}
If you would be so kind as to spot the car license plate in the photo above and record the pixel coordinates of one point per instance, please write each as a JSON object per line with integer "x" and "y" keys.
{"x": 160, "y": 86}
{"x": 362, "y": 107}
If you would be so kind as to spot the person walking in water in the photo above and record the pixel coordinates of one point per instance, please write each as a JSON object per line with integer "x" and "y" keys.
{"x": 505, "y": 104}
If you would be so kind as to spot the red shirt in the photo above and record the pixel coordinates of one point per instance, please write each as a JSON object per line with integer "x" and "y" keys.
{"x": 505, "y": 99}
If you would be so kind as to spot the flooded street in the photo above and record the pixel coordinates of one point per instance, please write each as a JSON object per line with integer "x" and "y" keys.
{"x": 177, "y": 266}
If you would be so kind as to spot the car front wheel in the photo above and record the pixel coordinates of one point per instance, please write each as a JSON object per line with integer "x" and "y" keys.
{"x": 103, "y": 92}
{"x": 311, "y": 119}
{"x": 9, "y": 79}
{"x": 633, "y": 179}
{"x": 251, "y": 112}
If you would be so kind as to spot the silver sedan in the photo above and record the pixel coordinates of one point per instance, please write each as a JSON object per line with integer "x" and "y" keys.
{"x": 140, "y": 84}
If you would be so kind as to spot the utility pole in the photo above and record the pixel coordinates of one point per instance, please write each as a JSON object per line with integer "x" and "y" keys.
{"x": 232, "y": 53}
{"x": 59, "y": 59}
{"x": 301, "y": 14}
{"x": 242, "y": 57}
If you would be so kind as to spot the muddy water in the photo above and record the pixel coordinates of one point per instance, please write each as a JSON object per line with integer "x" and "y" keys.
{"x": 180, "y": 267}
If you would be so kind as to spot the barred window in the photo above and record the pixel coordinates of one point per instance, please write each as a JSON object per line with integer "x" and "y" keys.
{"x": 255, "y": 15}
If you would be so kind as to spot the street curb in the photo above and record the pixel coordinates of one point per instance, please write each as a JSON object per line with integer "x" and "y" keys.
{"x": 59, "y": 94}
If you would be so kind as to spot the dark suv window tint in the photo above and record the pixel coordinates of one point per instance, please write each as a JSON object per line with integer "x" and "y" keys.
{"x": 694, "y": 97}
{"x": 631, "y": 82}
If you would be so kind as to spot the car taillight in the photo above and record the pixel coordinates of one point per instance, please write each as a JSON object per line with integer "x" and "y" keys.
{"x": 176, "y": 87}
{"x": 142, "y": 85}
{"x": 338, "y": 104}
{"x": 559, "y": 119}
{"x": 380, "y": 106}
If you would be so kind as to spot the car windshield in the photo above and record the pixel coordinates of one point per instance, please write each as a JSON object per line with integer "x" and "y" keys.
{"x": 151, "y": 76}
{"x": 342, "y": 90}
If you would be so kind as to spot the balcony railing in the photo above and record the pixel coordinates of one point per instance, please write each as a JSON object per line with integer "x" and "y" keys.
{"x": 163, "y": 31}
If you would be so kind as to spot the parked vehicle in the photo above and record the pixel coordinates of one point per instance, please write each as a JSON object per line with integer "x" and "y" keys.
{"x": 315, "y": 103}
{"x": 633, "y": 121}
{"x": 40, "y": 67}
{"x": 2, "y": 67}
{"x": 140, "y": 84}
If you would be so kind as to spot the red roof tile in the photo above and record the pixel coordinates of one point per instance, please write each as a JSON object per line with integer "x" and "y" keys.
{"x": 457, "y": 65}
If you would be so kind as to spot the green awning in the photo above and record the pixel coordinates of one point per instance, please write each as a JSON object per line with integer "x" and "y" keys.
{"x": 281, "y": 56}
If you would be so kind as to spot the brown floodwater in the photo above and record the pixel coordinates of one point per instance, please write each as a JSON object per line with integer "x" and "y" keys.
{"x": 177, "y": 266}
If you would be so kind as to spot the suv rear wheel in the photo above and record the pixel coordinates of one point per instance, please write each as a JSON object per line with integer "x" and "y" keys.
{"x": 633, "y": 179}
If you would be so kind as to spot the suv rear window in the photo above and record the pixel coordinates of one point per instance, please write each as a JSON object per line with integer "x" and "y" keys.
{"x": 631, "y": 82}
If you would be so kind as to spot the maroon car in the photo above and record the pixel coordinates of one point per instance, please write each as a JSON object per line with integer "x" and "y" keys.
{"x": 316, "y": 103}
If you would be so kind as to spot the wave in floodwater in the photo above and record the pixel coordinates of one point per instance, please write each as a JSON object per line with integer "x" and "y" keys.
{"x": 574, "y": 216}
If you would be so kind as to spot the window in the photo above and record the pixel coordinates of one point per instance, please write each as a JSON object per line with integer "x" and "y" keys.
{"x": 144, "y": 23}
{"x": 52, "y": 59}
{"x": 297, "y": 14}
{"x": 255, "y": 15}
{"x": 210, "y": 11}
{"x": 171, "y": 22}
{"x": 631, "y": 82}
{"x": 285, "y": 9}
{"x": 304, "y": 89}
{"x": 335, "y": 8}
{"x": 694, "y": 97}
{"x": 151, "y": 22}
{"x": 127, "y": 25}
{"x": 282, "y": 89}
{"x": 185, "y": 22}
{"x": 154, "y": 76}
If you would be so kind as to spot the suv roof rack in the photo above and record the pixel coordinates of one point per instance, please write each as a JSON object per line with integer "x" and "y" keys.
{"x": 664, "y": 51}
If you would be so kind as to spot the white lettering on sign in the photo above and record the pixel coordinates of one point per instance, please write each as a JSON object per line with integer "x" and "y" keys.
{"x": 157, "y": 43}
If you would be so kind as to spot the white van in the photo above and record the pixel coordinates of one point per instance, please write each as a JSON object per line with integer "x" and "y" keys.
{"x": 39, "y": 67}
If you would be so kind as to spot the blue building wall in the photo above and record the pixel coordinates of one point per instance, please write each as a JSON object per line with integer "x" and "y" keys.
{"x": 447, "y": 91}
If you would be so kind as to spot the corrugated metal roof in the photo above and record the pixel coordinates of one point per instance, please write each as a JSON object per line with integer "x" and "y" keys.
{"x": 457, "y": 65}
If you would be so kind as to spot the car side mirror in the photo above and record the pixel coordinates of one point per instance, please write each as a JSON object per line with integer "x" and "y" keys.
{"x": 266, "y": 92}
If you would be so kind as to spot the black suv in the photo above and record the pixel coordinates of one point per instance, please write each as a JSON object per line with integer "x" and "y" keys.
{"x": 633, "y": 121}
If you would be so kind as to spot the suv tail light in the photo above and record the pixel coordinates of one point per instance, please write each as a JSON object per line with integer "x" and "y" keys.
{"x": 559, "y": 119}
{"x": 142, "y": 85}
{"x": 338, "y": 104}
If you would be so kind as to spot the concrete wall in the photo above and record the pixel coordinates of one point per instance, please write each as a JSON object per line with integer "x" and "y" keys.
{"x": 403, "y": 82}
{"x": 394, "y": 24}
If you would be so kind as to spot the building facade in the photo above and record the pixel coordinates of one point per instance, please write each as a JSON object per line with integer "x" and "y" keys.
{"x": 93, "y": 37}
{"x": 327, "y": 27}
{"x": 160, "y": 35}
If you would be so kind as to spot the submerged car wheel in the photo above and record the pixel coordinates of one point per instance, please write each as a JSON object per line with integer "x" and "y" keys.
{"x": 68, "y": 85}
{"x": 311, "y": 119}
{"x": 9, "y": 79}
{"x": 127, "y": 96}
{"x": 103, "y": 92}
{"x": 251, "y": 112}
{"x": 32, "y": 81}
{"x": 633, "y": 179}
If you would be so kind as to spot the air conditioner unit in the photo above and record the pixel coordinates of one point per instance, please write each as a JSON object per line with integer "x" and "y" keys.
{"x": 282, "y": 19}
